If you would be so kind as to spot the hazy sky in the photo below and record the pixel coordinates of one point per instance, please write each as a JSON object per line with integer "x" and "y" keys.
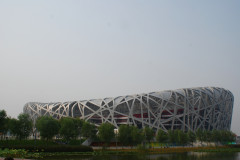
{"x": 63, "y": 50}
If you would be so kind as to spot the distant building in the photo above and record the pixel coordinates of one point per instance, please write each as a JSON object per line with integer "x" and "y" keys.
{"x": 186, "y": 109}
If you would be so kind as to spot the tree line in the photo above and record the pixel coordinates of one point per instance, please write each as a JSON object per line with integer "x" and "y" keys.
{"x": 20, "y": 127}
{"x": 68, "y": 128}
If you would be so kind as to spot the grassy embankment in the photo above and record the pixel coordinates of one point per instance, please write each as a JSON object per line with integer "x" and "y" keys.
{"x": 172, "y": 150}
{"x": 148, "y": 151}
{"x": 45, "y": 146}
{"x": 38, "y": 149}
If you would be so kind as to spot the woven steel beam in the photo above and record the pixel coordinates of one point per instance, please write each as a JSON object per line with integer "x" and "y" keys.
{"x": 185, "y": 109}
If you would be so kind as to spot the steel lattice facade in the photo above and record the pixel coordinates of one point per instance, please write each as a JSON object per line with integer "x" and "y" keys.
{"x": 186, "y": 109}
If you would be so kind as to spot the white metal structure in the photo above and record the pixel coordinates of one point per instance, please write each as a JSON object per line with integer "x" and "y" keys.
{"x": 186, "y": 109}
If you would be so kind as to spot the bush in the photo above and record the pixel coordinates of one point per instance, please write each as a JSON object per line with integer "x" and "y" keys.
{"x": 26, "y": 142}
{"x": 76, "y": 142}
{"x": 53, "y": 148}
{"x": 13, "y": 153}
{"x": 44, "y": 146}
{"x": 142, "y": 148}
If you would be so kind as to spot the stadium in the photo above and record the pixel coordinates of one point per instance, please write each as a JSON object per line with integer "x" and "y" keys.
{"x": 186, "y": 109}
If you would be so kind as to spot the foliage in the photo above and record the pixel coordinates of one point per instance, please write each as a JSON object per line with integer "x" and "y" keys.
{"x": 10, "y": 143}
{"x": 78, "y": 126}
{"x": 43, "y": 146}
{"x": 71, "y": 128}
{"x": 222, "y": 136}
{"x": 227, "y": 136}
{"x": 129, "y": 135}
{"x": 220, "y": 149}
{"x": 20, "y": 153}
{"x": 76, "y": 141}
{"x": 172, "y": 136}
{"x": 182, "y": 137}
{"x": 142, "y": 148}
{"x": 148, "y": 134}
{"x": 191, "y": 136}
{"x": 136, "y": 135}
{"x": 88, "y": 130}
{"x": 21, "y": 127}
{"x": 47, "y": 126}
{"x": 68, "y": 129}
{"x": 25, "y": 125}
{"x": 177, "y": 137}
{"x": 65, "y": 148}
{"x": 216, "y": 136}
{"x": 123, "y": 134}
{"x": 162, "y": 136}
{"x": 3, "y": 121}
{"x": 200, "y": 135}
{"x": 106, "y": 132}
{"x": 208, "y": 136}
{"x": 13, "y": 126}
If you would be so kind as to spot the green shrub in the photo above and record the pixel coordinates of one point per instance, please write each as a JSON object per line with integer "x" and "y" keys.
{"x": 76, "y": 142}
{"x": 53, "y": 148}
{"x": 20, "y": 153}
{"x": 142, "y": 148}
{"x": 26, "y": 142}
{"x": 44, "y": 146}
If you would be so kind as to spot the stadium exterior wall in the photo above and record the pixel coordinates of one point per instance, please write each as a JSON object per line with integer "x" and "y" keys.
{"x": 186, "y": 109}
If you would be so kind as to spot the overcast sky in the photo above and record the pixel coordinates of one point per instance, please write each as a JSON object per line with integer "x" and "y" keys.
{"x": 64, "y": 50}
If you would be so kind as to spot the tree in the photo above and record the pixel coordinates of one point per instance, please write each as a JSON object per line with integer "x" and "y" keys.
{"x": 216, "y": 136}
{"x": 13, "y": 126}
{"x": 162, "y": 136}
{"x": 231, "y": 136}
{"x": 68, "y": 129}
{"x": 136, "y": 135}
{"x": 129, "y": 135}
{"x": 182, "y": 137}
{"x": 106, "y": 132}
{"x": 191, "y": 136}
{"x": 21, "y": 127}
{"x": 47, "y": 126}
{"x": 78, "y": 126}
{"x": 3, "y": 122}
{"x": 6, "y": 126}
{"x": 148, "y": 134}
{"x": 200, "y": 135}
{"x": 227, "y": 136}
{"x": 208, "y": 137}
{"x": 173, "y": 136}
{"x": 88, "y": 130}
{"x": 25, "y": 125}
{"x": 123, "y": 134}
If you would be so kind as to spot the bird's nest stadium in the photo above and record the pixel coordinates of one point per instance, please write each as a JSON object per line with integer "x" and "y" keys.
{"x": 205, "y": 108}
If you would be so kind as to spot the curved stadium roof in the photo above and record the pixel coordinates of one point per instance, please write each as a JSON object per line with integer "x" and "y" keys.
{"x": 186, "y": 109}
